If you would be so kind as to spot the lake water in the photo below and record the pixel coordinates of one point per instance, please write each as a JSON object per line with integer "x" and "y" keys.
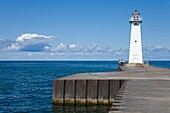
{"x": 26, "y": 86}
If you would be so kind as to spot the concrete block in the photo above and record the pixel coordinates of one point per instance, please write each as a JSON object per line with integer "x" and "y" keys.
{"x": 58, "y": 91}
{"x": 81, "y": 91}
{"x": 103, "y": 91}
{"x": 69, "y": 91}
{"x": 91, "y": 91}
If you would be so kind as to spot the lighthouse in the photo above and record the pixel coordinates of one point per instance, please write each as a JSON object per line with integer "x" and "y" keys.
{"x": 135, "y": 53}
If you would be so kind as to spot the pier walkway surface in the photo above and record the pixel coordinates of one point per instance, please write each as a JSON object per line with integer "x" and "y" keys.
{"x": 142, "y": 96}
{"x": 130, "y": 73}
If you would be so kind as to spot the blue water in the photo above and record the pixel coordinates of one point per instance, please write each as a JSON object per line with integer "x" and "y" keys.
{"x": 26, "y": 86}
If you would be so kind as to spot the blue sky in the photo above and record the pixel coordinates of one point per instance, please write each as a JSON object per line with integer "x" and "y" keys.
{"x": 81, "y": 29}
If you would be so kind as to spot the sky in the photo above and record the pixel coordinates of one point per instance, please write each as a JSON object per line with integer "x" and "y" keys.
{"x": 81, "y": 29}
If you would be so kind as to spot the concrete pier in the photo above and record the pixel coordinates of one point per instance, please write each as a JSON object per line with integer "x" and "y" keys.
{"x": 110, "y": 87}
{"x": 89, "y": 91}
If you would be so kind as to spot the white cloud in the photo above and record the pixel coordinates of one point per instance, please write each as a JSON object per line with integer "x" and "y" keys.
{"x": 30, "y": 42}
{"x": 157, "y": 48}
{"x": 41, "y": 54}
{"x": 5, "y": 43}
{"x": 77, "y": 49}
{"x": 29, "y": 36}
{"x": 30, "y": 54}
{"x": 156, "y": 52}
{"x": 72, "y": 46}
{"x": 13, "y": 46}
{"x": 61, "y": 46}
{"x": 47, "y": 48}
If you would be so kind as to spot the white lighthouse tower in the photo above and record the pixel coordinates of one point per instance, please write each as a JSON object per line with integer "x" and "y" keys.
{"x": 135, "y": 54}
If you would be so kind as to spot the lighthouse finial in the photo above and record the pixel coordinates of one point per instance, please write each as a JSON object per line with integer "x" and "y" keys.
{"x": 135, "y": 13}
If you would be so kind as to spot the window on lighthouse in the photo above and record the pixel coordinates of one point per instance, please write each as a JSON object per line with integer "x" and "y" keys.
{"x": 136, "y": 24}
